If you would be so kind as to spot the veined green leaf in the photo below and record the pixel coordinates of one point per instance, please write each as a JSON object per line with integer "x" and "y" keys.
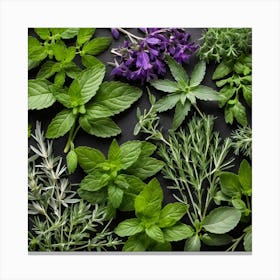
{"x": 72, "y": 161}
{"x": 177, "y": 232}
{"x": 63, "y": 98}
{"x": 97, "y": 111}
{"x": 90, "y": 61}
{"x": 70, "y": 54}
{"x": 36, "y": 51}
{"x": 147, "y": 149}
{"x": 69, "y": 33}
{"x": 72, "y": 70}
{"x": 177, "y": 71}
{"x": 222, "y": 70}
{"x": 239, "y": 113}
{"x": 245, "y": 177}
{"x": 75, "y": 94}
{"x": 230, "y": 185}
{"x": 114, "y": 151}
{"x": 134, "y": 244}
{"x": 212, "y": 239}
{"x": 167, "y": 102}
{"x": 198, "y": 74}
{"x": 205, "y": 93}
{"x": 192, "y": 244}
{"x": 115, "y": 195}
{"x": 94, "y": 197}
{"x": 225, "y": 94}
{"x": 247, "y": 94}
{"x": 229, "y": 114}
{"x": 59, "y": 50}
{"x": 59, "y": 78}
{"x": 46, "y": 70}
{"x": 155, "y": 233}
{"x": 94, "y": 181}
{"x": 181, "y": 111}
{"x": 129, "y": 153}
{"x": 43, "y": 33}
{"x": 129, "y": 227}
{"x": 84, "y": 35}
{"x": 165, "y": 85}
{"x": 97, "y": 45}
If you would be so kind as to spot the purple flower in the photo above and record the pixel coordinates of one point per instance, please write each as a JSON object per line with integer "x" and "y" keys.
{"x": 115, "y": 33}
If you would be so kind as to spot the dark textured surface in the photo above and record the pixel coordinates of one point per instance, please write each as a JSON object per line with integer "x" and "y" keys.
{"x": 127, "y": 119}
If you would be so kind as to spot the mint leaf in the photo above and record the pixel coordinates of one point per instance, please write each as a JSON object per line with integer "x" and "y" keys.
{"x": 171, "y": 214}
{"x": 40, "y": 94}
{"x": 63, "y": 98}
{"x": 32, "y": 64}
{"x": 222, "y": 70}
{"x": 84, "y": 35}
{"x": 59, "y": 50}
{"x": 165, "y": 85}
{"x": 177, "y": 232}
{"x": 100, "y": 127}
{"x": 230, "y": 185}
{"x": 239, "y": 113}
{"x": 114, "y": 151}
{"x": 72, "y": 70}
{"x": 167, "y": 102}
{"x": 222, "y": 220}
{"x": 134, "y": 244}
{"x": 247, "y": 94}
{"x": 155, "y": 233}
{"x": 43, "y": 33}
{"x": 88, "y": 158}
{"x": 36, "y": 51}
{"x": 75, "y": 94}
{"x": 96, "y": 111}
{"x": 93, "y": 197}
{"x": 72, "y": 161}
{"x": 94, "y": 181}
{"x": 245, "y": 177}
{"x": 129, "y": 227}
{"x": 147, "y": 149}
{"x": 181, "y": 111}
{"x": 177, "y": 71}
{"x": 90, "y": 61}
{"x": 70, "y": 54}
{"x": 90, "y": 81}
{"x": 115, "y": 195}
{"x": 129, "y": 153}
{"x": 192, "y": 244}
{"x": 97, "y": 45}
{"x": 69, "y": 33}
{"x": 60, "y": 124}
{"x": 59, "y": 78}
{"x": 116, "y": 96}
{"x": 212, "y": 239}
{"x": 198, "y": 74}
{"x": 205, "y": 93}
{"x": 46, "y": 70}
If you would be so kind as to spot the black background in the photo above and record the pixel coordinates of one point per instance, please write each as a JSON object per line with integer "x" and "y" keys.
{"x": 127, "y": 120}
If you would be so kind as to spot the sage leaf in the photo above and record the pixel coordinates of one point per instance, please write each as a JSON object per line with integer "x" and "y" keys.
{"x": 192, "y": 244}
{"x": 165, "y": 85}
{"x": 198, "y": 74}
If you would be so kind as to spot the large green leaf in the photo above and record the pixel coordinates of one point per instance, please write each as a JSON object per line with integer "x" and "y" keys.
{"x": 59, "y": 50}
{"x": 222, "y": 220}
{"x": 205, "y": 93}
{"x": 61, "y": 124}
{"x": 129, "y": 227}
{"x": 72, "y": 70}
{"x": 177, "y": 71}
{"x": 43, "y": 33}
{"x": 84, "y": 35}
{"x": 165, "y": 85}
{"x": 198, "y": 74}
{"x": 230, "y": 185}
{"x": 155, "y": 233}
{"x": 116, "y": 96}
{"x": 36, "y": 51}
{"x": 177, "y": 232}
{"x": 90, "y": 81}
{"x": 167, "y": 102}
{"x": 181, "y": 111}
{"x": 90, "y": 61}
{"x": 129, "y": 153}
{"x": 40, "y": 94}
{"x": 212, "y": 239}
{"x": 97, "y": 45}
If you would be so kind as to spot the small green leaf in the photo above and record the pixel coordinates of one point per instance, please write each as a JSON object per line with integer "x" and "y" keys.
{"x": 115, "y": 196}
{"x": 104, "y": 127}
{"x": 60, "y": 124}
{"x": 129, "y": 227}
{"x": 225, "y": 94}
{"x": 59, "y": 78}
{"x": 239, "y": 113}
{"x": 238, "y": 204}
{"x": 84, "y": 35}
{"x": 155, "y": 233}
{"x": 88, "y": 158}
{"x": 114, "y": 151}
{"x": 69, "y": 33}
{"x": 147, "y": 149}
{"x": 94, "y": 197}
{"x": 63, "y": 98}
{"x": 171, "y": 214}
{"x": 230, "y": 185}
{"x": 247, "y": 94}
{"x": 72, "y": 161}
{"x": 59, "y": 50}
{"x": 43, "y": 33}
{"x": 198, "y": 74}
{"x": 94, "y": 181}
{"x": 72, "y": 70}
{"x": 212, "y": 239}
{"x": 248, "y": 241}
{"x": 177, "y": 232}
{"x": 70, "y": 54}
{"x": 46, "y": 70}
{"x": 97, "y": 45}
{"x": 129, "y": 153}
{"x": 165, "y": 85}
{"x": 205, "y": 93}
{"x": 134, "y": 244}
{"x": 245, "y": 177}
{"x": 167, "y": 102}
{"x": 36, "y": 51}
{"x": 75, "y": 94}
{"x": 90, "y": 61}
{"x": 229, "y": 114}
{"x": 177, "y": 71}
{"x": 192, "y": 244}
{"x": 181, "y": 111}
{"x": 222, "y": 220}
{"x": 222, "y": 70}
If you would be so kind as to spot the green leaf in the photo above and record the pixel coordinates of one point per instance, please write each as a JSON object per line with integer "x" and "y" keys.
{"x": 90, "y": 81}
{"x": 90, "y": 61}
{"x": 127, "y": 202}
{"x": 177, "y": 71}
{"x": 129, "y": 153}
{"x": 120, "y": 181}
{"x": 181, "y": 111}
{"x": 160, "y": 247}
{"x": 145, "y": 167}
{"x": 225, "y": 94}
{"x": 136, "y": 185}
{"x": 46, "y": 70}
{"x": 198, "y": 74}
{"x": 97, "y": 45}
{"x": 129, "y": 227}
{"x": 59, "y": 50}
{"x": 171, "y": 214}
{"x": 114, "y": 151}
{"x": 247, "y": 243}
{"x": 36, "y": 51}
{"x": 155, "y": 233}
{"x": 29, "y": 129}
{"x": 247, "y": 94}
{"x": 115, "y": 196}
{"x": 134, "y": 244}
{"x": 84, "y": 35}
{"x": 239, "y": 113}
{"x": 147, "y": 149}
{"x": 148, "y": 202}
{"x": 96, "y": 111}
{"x": 167, "y": 102}
{"x": 94, "y": 197}
{"x": 40, "y": 94}
{"x": 59, "y": 78}
{"x": 245, "y": 177}
{"x": 43, "y": 33}
{"x": 177, "y": 232}
{"x": 212, "y": 239}
{"x": 221, "y": 83}
{"x": 60, "y": 124}
{"x": 239, "y": 204}
{"x": 104, "y": 127}
{"x": 222, "y": 70}
{"x": 75, "y": 94}
{"x": 165, "y": 85}
{"x": 70, "y": 54}
{"x": 192, "y": 244}
{"x": 69, "y": 33}
{"x": 72, "y": 70}
{"x": 229, "y": 114}
{"x": 204, "y": 93}
{"x": 88, "y": 158}
{"x": 72, "y": 161}
{"x": 94, "y": 181}
{"x": 116, "y": 96}
{"x": 230, "y": 185}
{"x": 222, "y": 220}
{"x": 32, "y": 64}
{"x": 63, "y": 98}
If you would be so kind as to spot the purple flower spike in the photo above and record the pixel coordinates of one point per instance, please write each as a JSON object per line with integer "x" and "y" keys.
{"x": 115, "y": 33}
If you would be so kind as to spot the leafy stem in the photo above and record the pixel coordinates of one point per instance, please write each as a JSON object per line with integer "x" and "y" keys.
{"x": 71, "y": 136}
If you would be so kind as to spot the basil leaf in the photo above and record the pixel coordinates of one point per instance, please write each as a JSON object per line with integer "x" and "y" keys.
{"x": 90, "y": 61}
{"x": 88, "y": 158}
{"x": 43, "y": 33}
{"x": 129, "y": 153}
{"x": 69, "y": 33}
{"x": 239, "y": 113}
{"x": 177, "y": 71}
{"x": 171, "y": 214}
{"x": 46, "y": 70}
{"x": 40, "y": 94}
{"x": 94, "y": 197}
{"x": 97, "y": 45}
{"x": 84, "y": 35}
{"x": 155, "y": 233}
{"x": 129, "y": 227}
{"x": 230, "y": 185}
{"x": 94, "y": 181}
{"x": 165, "y": 85}
{"x": 60, "y": 124}
{"x": 32, "y": 64}
{"x": 70, "y": 54}
{"x": 222, "y": 70}
{"x": 104, "y": 127}
{"x": 72, "y": 161}
{"x": 90, "y": 81}
{"x": 198, "y": 74}
{"x": 116, "y": 96}
{"x": 205, "y": 93}
{"x": 115, "y": 195}
{"x": 167, "y": 102}
{"x": 192, "y": 244}
{"x": 134, "y": 244}
{"x": 221, "y": 220}
{"x": 63, "y": 98}
{"x": 212, "y": 239}
{"x": 245, "y": 177}
{"x": 177, "y": 232}
{"x": 181, "y": 111}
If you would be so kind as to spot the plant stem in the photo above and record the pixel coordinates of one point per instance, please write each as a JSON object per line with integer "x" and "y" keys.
{"x": 130, "y": 35}
{"x": 71, "y": 137}
{"x": 199, "y": 112}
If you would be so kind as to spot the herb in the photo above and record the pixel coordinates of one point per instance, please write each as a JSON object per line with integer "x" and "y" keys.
{"x": 242, "y": 141}
{"x": 142, "y": 59}
{"x": 154, "y": 227}
{"x": 60, "y": 221}
{"x": 183, "y": 92}
{"x": 225, "y": 44}
{"x": 238, "y": 82}
{"x": 118, "y": 179}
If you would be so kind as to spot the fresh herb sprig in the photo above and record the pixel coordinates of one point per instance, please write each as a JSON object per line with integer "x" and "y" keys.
{"x": 242, "y": 141}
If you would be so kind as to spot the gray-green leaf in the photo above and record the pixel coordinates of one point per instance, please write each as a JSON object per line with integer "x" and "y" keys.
{"x": 204, "y": 93}
{"x": 165, "y": 85}
{"x": 167, "y": 102}
{"x": 198, "y": 74}
{"x": 177, "y": 71}
{"x": 192, "y": 244}
{"x": 181, "y": 111}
